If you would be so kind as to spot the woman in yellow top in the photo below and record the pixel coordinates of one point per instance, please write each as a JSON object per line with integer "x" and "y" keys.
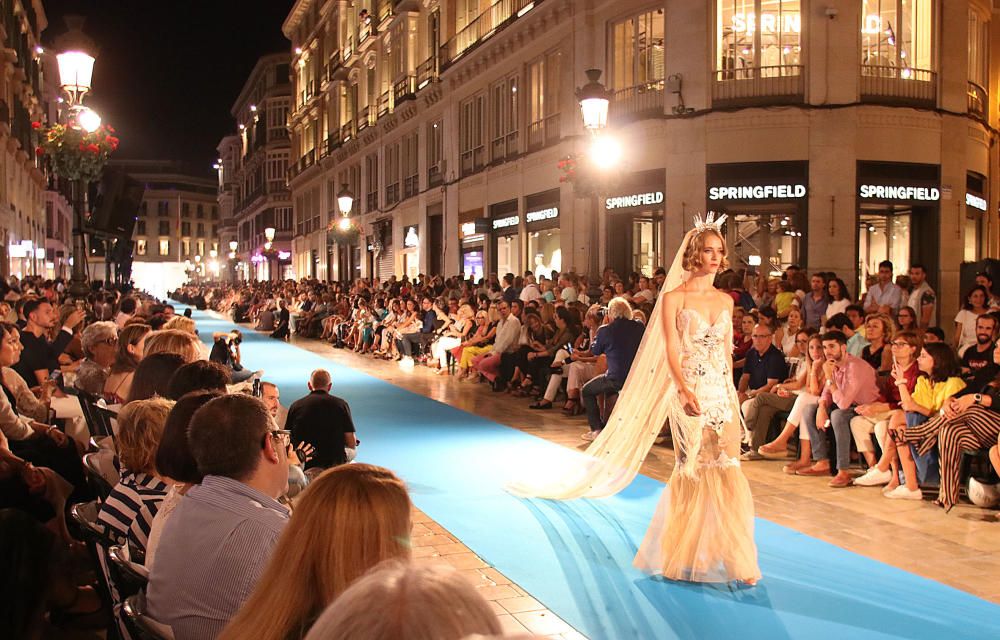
{"x": 785, "y": 299}
{"x": 942, "y": 368}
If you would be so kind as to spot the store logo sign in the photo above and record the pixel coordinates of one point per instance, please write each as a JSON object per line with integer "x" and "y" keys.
{"x": 893, "y": 192}
{"x": 787, "y": 22}
{"x": 635, "y": 200}
{"x": 758, "y": 192}
{"x": 976, "y": 202}
{"x": 468, "y": 228}
{"x": 544, "y": 214}
{"x": 503, "y": 223}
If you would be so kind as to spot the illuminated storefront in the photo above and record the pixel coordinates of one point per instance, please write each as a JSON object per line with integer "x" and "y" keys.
{"x": 541, "y": 220}
{"x": 634, "y": 223}
{"x": 506, "y": 238}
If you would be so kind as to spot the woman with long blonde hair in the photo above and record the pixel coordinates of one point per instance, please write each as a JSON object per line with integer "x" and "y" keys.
{"x": 176, "y": 341}
{"x": 351, "y": 518}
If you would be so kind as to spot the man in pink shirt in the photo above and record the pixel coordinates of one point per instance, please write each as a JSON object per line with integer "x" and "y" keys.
{"x": 850, "y": 381}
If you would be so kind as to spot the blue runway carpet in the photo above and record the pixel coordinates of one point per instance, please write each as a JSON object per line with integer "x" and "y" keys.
{"x": 576, "y": 557}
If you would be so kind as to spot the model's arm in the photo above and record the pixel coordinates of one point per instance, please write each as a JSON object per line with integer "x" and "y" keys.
{"x": 670, "y": 308}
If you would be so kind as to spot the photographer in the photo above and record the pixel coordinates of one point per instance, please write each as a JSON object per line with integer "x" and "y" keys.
{"x": 226, "y": 351}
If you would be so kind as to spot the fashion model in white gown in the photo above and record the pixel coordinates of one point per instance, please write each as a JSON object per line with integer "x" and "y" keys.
{"x": 703, "y": 527}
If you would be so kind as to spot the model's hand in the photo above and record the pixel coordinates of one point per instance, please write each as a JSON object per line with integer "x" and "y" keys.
{"x": 690, "y": 403}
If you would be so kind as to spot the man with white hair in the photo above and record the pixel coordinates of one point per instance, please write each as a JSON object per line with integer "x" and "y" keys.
{"x": 100, "y": 345}
{"x": 322, "y": 421}
{"x": 618, "y": 341}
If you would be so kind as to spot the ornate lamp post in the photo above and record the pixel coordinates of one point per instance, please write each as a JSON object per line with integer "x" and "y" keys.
{"x": 594, "y": 100}
{"x": 76, "y": 68}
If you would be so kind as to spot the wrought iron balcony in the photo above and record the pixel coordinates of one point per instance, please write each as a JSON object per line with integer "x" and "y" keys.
{"x": 778, "y": 84}
{"x": 500, "y": 15}
{"x": 978, "y": 99}
{"x": 899, "y": 85}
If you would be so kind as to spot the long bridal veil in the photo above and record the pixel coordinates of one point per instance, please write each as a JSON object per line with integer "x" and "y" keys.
{"x": 612, "y": 461}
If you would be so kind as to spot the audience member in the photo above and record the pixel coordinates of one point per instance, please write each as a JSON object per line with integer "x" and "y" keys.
{"x": 885, "y": 296}
{"x": 131, "y": 342}
{"x": 152, "y": 376}
{"x": 322, "y": 421}
{"x": 764, "y": 366}
{"x": 200, "y": 375}
{"x": 965, "y": 321}
{"x": 100, "y": 346}
{"x": 349, "y": 520}
{"x": 223, "y": 531}
{"x": 41, "y": 357}
{"x": 619, "y": 342}
{"x": 176, "y": 341}
{"x": 416, "y": 602}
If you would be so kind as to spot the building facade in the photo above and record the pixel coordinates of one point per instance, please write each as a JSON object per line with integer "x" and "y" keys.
{"x": 834, "y": 134}
{"x": 22, "y": 181}
{"x": 252, "y": 165}
{"x": 177, "y": 228}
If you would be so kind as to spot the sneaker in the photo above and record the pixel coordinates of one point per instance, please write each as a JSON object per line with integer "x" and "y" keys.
{"x": 902, "y": 493}
{"x": 406, "y": 363}
{"x": 590, "y": 435}
{"x": 873, "y": 478}
{"x": 748, "y": 456}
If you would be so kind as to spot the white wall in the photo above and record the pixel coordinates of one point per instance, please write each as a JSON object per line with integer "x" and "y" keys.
{"x": 158, "y": 277}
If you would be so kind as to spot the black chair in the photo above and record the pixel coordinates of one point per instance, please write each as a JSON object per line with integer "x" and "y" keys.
{"x": 139, "y": 623}
{"x": 99, "y": 484}
{"x": 98, "y": 418}
{"x": 95, "y": 536}
{"x": 127, "y": 575}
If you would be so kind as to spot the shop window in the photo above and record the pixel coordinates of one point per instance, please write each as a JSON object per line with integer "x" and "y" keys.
{"x": 758, "y": 39}
{"x": 897, "y": 38}
{"x": 411, "y": 178}
{"x": 371, "y": 184}
{"x": 506, "y": 258}
{"x": 164, "y": 247}
{"x": 883, "y": 234}
{"x": 545, "y": 253}
{"x": 185, "y": 247}
{"x": 392, "y": 174}
{"x": 140, "y": 248}
{"x": 637, "y": 51}
{"x": 972, "y": 235}
{"x": 773, "y": 237}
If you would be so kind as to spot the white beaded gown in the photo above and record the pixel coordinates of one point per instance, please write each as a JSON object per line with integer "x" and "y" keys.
{"x": 703, "y": 527}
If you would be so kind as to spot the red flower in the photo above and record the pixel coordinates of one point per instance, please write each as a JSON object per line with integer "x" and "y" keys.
{"x": 113, "y": 141}
{"x": 93, "y": 148}
{"x": 39, "y": 151}
{"x": 36, "y": 125}
{"x": 82, "y": 146}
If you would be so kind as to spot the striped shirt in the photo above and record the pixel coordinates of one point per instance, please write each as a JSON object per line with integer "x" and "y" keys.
{"x": 212, "y": 551}
{"x": 131, "y": 505}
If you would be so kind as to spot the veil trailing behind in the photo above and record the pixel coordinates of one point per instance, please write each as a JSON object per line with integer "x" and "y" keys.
{"x": 612, "y": 461}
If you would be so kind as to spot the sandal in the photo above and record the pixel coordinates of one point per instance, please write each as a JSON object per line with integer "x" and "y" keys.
{"x": 542, "y": 404}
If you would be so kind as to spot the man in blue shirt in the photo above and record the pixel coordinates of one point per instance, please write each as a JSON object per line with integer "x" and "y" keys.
{"x": 618, "y": 341}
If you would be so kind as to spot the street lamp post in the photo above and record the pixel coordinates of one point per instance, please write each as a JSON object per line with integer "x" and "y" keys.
{"x": 594, "y": 100}
{"x": 76, "y": 68}
{"x": 345, "y": 203}
{"x": 269, "y": 236}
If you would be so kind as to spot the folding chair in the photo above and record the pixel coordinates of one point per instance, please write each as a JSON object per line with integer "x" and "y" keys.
{"x": 139, "y": 622}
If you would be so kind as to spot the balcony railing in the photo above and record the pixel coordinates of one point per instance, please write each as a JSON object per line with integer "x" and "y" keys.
{"x": 346, "y": 132}
{"x": 494, "y": 19}
{"x": 758, "y": 85}
{"x": 371, "y": 201}
{"x": 411, "y": 185}
{"x": 978, "y": 99}
{"x": 363, "y": 118}
{"x": 383, "y": 9}
{"x": 638, "y": 101}
{"x": 504, "y": 147}
{"x": 426, "y": 71}
{"x": 348, "y": 48}
{"x": 365, "y": 31}
{"x": 472, "y": 160}
{"x": 384, "y": 104}
{"x": 333, "y": 143}
{"x": 333, "y": 64}
{"x": 392, "y": 193}
{"x": 897, "y": 85}
{"x": 543, "y": 133}
{"x": 434, "y": 177}
{"x": 404, "y": 89}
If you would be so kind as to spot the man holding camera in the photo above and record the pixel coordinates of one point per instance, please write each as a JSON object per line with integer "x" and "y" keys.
{"x": 226, "y": 351}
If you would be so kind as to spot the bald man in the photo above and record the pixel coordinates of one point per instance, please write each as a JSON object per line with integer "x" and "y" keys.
{"x": 323, "y": 421}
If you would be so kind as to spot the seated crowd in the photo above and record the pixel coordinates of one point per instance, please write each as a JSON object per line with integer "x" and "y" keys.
{"x": 245, "y": 517}
{"x": 834, "y": 381}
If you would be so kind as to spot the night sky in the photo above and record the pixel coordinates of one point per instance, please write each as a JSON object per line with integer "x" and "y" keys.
{"x": 167, "y": 73}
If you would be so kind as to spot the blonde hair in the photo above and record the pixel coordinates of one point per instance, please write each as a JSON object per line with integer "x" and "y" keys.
{"x": 181, "y": 323}
{"x": 348, "y": 520}
{"x": 692, "y": 255}
{"x": 140, "y": 426}
{"x": 176, "y": 341}
{"x": 888, "y": 326}
{"x": 405, "y": 600}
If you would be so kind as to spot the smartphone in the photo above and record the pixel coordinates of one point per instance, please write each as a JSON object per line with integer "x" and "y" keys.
{"x": 258, "y": 388}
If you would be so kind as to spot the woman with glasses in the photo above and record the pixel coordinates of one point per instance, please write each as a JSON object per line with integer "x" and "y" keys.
{"x": 907, "y": 319}
{"x": 874, "y": 417}
{"x": 806, "y": 399}
{"x": 100, "y": 345}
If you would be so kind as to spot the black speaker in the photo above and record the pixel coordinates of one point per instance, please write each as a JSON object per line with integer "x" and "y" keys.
{"x": 116, "y": 203}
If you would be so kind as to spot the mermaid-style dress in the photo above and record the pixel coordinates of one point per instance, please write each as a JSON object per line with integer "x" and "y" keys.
{"x": 703, "y": 527}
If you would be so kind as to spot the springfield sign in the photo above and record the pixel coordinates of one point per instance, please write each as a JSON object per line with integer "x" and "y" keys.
{"x": 635, "y": 200}
{"x": 758, "y": 192}
{"x": 895, "y": 192}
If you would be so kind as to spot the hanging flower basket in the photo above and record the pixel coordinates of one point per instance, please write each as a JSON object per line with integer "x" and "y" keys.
{"x": 341, "y": 235}
{"x": 73, "y": 153}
